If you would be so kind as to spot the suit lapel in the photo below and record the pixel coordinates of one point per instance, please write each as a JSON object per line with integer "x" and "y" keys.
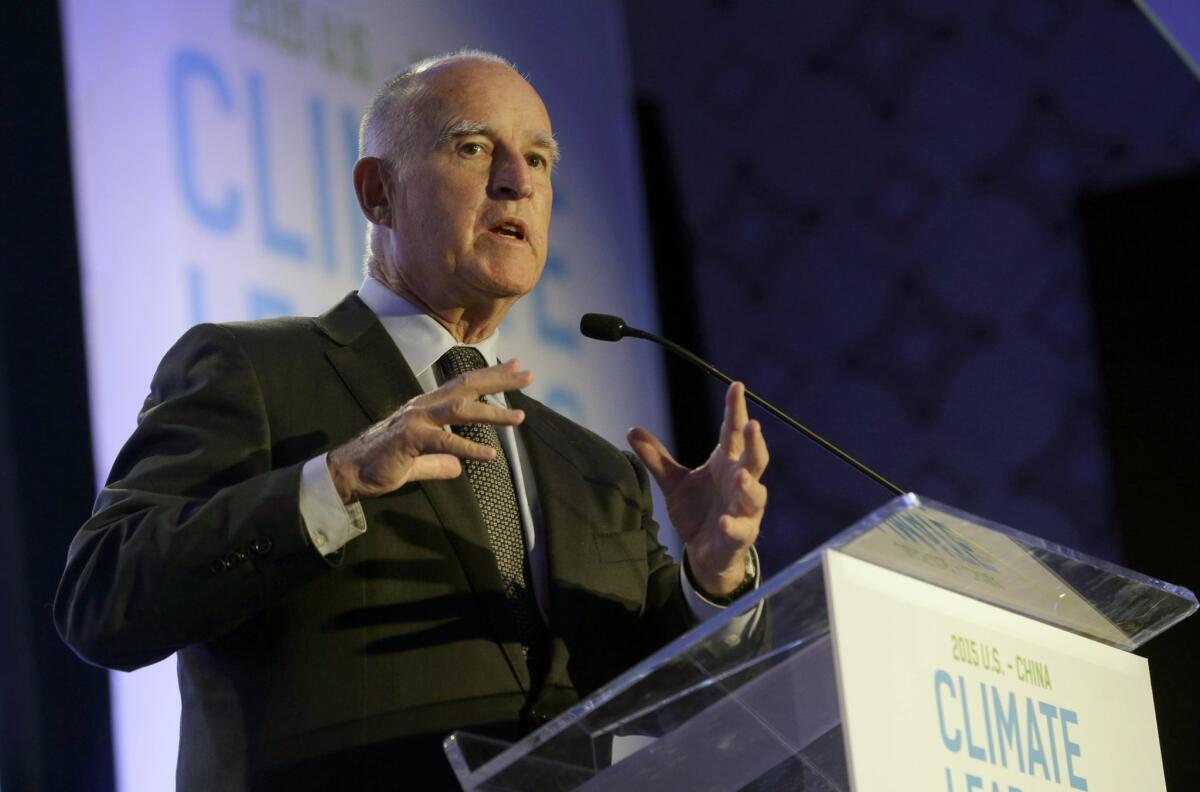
{"x": 367, "y": 359}
{"x": 562, "y": 491}
{"x": 381, "y": 381}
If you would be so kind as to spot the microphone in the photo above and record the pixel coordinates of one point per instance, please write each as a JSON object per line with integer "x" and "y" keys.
{"x": 603, "y": 327}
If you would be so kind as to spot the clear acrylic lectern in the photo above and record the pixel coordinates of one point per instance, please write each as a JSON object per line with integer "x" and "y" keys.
{"x": 720, "y": 710}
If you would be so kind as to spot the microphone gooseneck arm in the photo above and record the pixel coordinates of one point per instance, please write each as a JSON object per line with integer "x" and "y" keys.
{"x": 611, "y": 328}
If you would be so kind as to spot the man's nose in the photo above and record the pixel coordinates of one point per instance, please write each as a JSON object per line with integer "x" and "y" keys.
{"x": 512, "y": 177}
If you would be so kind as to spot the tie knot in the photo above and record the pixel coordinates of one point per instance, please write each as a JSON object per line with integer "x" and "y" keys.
{"x": 460, "y": 360}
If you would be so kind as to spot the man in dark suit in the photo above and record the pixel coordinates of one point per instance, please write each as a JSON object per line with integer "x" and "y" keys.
{"x": 344, "y": 580}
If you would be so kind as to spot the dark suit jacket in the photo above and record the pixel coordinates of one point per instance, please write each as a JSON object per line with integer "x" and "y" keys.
{"x": 302, "y": 671}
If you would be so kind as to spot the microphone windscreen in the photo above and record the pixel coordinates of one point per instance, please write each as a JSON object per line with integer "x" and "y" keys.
{"x": 602, "y": 327}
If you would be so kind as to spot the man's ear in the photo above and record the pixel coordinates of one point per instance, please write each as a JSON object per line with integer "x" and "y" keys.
{"x": 372, "y": 186}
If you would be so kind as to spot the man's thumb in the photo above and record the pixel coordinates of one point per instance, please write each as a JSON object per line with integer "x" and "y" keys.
{"x": 654, "y": 456}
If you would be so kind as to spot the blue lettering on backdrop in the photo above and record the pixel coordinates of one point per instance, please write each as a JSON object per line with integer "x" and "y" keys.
{"x": 565, "y": 402}
{"x": 194, "y": 73}
{"x": 195, "y": 287}
{"x": 316, "y": 117}
{"x": 260, "y": 302}
{"x": 350, "y": 139}
{"x": 274, "y": 237}
{"x": 188, "y": 69}
{"x": 194, "y": 77}
{"x": 264, "y": 304}
{"x": 553, "y": 332}
{"x": 559, "y": 334}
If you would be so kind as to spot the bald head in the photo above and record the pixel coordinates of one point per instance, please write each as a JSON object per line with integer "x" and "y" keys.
{"x": 455, "y": 179}
{"x": 402, "y": 107}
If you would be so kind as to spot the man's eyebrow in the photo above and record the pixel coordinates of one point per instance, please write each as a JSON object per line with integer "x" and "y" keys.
{"x": 466, "y": 128}
{"x": 546, "y": 140}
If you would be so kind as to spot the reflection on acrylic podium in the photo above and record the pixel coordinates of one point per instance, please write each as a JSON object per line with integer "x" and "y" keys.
{"x": 976, "y": 643}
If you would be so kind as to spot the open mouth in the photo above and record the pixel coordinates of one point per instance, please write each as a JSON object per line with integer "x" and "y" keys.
{"x": 509, "y": 231}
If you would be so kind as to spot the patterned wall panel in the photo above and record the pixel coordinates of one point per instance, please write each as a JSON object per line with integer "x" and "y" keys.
{"x": 881, "y": 197}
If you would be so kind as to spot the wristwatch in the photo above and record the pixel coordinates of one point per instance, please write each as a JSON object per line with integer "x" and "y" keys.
{"x": 746, "y": 585}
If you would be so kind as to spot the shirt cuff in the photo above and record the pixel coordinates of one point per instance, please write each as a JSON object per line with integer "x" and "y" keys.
{"x": 329, "y": 522}
{"x": 703, "y": 608}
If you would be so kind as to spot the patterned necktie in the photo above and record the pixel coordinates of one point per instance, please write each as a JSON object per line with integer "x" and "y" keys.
{"x": 492, "y": 484}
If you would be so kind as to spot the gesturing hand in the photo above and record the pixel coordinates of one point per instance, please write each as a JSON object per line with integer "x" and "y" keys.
{"x": 411, "y": 444}
{"x": 718, "y": 507}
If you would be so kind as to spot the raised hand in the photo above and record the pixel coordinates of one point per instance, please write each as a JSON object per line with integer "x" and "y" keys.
{"x": 411, "y": 444}
{"x": 718, "y": 507}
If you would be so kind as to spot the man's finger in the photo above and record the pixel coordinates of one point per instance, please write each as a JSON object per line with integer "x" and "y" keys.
{"x": 481, "y": 382}
{"x": 438, "y": 441}
{"x": 428, "y": 467}
{"x": 655, "y": 457}
{"x": 734, "y": 419}
{"x": 738, "y": 531}
{"x": 751, "y": 494}
{"x": 493, "y": 379}
{"x": 467, "y": 410}
{"x": 755, "y": 456}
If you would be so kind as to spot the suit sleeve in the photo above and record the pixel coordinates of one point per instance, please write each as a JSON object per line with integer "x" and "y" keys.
{"x": 195, "y": 530}
{"x": 666, "y": 615}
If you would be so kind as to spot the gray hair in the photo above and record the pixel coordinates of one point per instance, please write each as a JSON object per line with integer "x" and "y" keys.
{"x": 392, "y": 123}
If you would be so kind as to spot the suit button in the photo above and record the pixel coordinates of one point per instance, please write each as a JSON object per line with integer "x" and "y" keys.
{"x": 229, "y": 561}
{"x": 241, "y": 555}
{"x": 262, "y": 545}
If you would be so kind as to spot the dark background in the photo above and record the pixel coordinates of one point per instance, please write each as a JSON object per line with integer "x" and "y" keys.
{"x": 959, "y": 238}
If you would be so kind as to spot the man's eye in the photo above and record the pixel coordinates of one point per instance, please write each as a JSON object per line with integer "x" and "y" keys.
{"x": 471, "y": 149}
{"x": 536, "y": 161}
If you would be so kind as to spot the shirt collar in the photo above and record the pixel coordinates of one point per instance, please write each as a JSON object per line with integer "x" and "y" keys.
{"x": 420, "y": 338}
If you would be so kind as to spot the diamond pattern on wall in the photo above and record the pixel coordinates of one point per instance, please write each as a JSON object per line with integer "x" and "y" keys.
{"x": 881, "y": 53}
{"x": 898, "y": 198}
{"x": 916, "y": 348}
{"x": 754, "y": 229}
{"x": 1068, "y": 473}
{"x": 937, "y": 478}
{"x": 776, "y": 370}
{"x": 736, "y": 85}
{"x": 796, "y": 503}
{"x": 1047, "y": 161}
{"x": 1033, "y": 25}
{"x": 1060, "y": 319}
{"x": 963, "y": 141}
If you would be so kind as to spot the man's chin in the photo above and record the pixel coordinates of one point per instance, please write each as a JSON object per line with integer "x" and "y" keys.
{"x": 509, "y": 280}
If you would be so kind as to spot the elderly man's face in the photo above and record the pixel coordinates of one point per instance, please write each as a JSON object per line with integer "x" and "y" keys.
{"x": 471, "y": 215}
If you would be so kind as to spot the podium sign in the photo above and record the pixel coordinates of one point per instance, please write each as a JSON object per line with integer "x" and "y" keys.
{"x": 932, "y": 604}
{"x": 940, "y": 691}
